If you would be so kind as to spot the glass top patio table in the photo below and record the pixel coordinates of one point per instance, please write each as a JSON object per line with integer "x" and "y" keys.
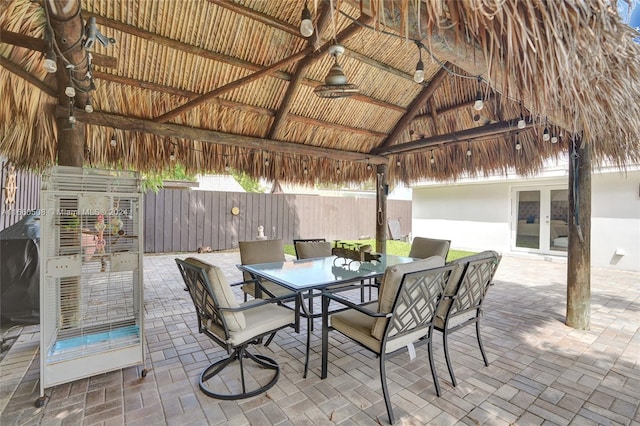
{"x": 319, "y": 273}
{"x": 306, "y": 275}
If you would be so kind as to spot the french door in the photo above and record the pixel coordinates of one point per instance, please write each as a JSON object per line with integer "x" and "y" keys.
{"x": 540, "y": 217}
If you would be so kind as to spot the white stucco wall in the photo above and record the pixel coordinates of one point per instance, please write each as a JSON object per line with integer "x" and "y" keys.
{"x": 477, "y": 215}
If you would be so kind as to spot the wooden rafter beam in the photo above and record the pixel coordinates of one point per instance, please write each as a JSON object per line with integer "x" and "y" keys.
{"x": 467, "y": 135}
{"x": 231, "y": 86}
{"x": 25, "y": 75}
{"x": 231, "y": 104}
{"x": 39, "y": 45}
{"x": 415, "y": 106}
{"x": 434, "y": 115}
{"x": 134, "y": 124}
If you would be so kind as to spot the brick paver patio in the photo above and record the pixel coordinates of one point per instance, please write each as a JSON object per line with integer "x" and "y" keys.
{"x": 541, "y": 371}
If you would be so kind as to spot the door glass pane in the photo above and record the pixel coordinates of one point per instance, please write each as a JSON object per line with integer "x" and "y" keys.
{"x": 528, "y": 234}
{"x": 559, "y": 214}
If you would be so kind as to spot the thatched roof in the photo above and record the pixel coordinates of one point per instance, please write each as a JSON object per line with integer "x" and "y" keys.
{"x": 570, "y": 66}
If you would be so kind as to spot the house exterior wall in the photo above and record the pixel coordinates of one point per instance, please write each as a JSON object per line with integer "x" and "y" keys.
{"x": 477, "y": 215}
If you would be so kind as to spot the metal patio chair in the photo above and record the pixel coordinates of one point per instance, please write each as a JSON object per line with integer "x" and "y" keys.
{"x": 404, "y": 313}
{"x": 233, "y": 326}
{"x": 462, "y": 299}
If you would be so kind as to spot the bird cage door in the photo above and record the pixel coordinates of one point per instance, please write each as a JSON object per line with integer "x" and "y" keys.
{"x": 91, "y": 283}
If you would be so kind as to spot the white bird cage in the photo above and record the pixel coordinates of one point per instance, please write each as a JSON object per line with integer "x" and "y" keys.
{"x": 91, "y": 283}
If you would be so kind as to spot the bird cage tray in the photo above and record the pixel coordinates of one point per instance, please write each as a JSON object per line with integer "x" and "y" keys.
{"x": 84, "y": 356}
{"x": 88, "y": 343}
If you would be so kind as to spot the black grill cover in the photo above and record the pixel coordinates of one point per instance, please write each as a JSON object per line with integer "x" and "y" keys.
{"x": 20, "y": 271}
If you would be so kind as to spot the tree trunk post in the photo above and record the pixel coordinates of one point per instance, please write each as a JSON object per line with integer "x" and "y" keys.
{"x": 381, "y": 208}
{"x": 579, "y": 252}
{"x": 68, "y": 30}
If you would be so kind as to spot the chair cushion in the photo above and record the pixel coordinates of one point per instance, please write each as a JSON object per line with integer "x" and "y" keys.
{"x": 222, "y": 292}
{"x": 262, "y": 320}
{"x": 390, "y": 284}
{"x": 262, "y": 251}
{"x": 313, "y": 249}
{"x": 357, "y": 326}
{"x": 422, "y": 248}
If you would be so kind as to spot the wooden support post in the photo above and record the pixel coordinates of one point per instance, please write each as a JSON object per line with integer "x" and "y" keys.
{"x": 579, "y": 252}
{"x": 381, "y": 208}
{"x": 68, "y": 31}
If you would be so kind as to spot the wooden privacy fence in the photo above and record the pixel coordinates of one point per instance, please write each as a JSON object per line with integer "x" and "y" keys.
{"x": 178, "y": 220}
{"x": 20, "y": 194}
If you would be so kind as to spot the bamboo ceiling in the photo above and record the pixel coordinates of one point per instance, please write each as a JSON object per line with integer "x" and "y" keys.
{"x": 180, "y": 85}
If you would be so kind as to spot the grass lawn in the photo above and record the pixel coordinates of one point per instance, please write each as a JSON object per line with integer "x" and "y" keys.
{"x": 399, "y": 248}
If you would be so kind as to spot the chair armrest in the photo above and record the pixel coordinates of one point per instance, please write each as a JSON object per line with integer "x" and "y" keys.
{"x": 358, "y": 308}
{"x": 259, "y": 302}
{"x": 253, "y": 280}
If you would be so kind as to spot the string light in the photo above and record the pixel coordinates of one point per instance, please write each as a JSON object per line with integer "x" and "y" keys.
{"x": 70, "y": 91}
{"x": 521, "y": 123}
{"x": 72, "y": 118}
{"x": 306, "y": 24}
{"x": 88, "y": 107}
{"x": 518, "y": 145}
{"x": 266, "y": 162}
{"x": 554, "y": 139}
{"x": 369, "y": 167}
{"x": 545, "y": 133}
{"x": 398, "y": 163}
{"x": 468, "y": 150}
{"x": 479, "y": 104}
{"x": 433, "y": 160}
{"x": 418, "y": 76}
{"x": 172, "y": 156}
{"x": 113, "y": 141}
{"x": 50, "y": 62}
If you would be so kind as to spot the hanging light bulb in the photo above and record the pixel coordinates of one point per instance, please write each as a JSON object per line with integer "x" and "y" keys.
{"x": 338, "y": 170}
{"x": 518, "y": 145}
{"x": 306, "y": 24}
{"x": 369, "y": 167}
{"x": 418, "y": 76}
{"x": 433, "y": 160}
{"x": 305, "y": 171}
{"x": 521, "y": 123}
{"x": 88, "y": 107}
{"x": 70, "y": 91}
{"x": 50, "y": 64}
{"x": 554, "y": 139}
{"x": 468, "y": 152}
{"x": 479, "y": 104}
{"x": 545, "y": 134}
{"x": 172, "y": 156}
{"x": 72, "y": 118}
{"x": 398, "y": 163}
{"x": 113, "y": 141}
{"x": 266, "y": 162}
